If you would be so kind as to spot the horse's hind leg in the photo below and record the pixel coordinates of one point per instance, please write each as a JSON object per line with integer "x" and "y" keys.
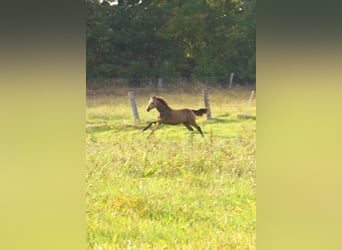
{"x": 188, "y": 126}
{"x": 193, "y": 123}
{"x": 200, "y": 130}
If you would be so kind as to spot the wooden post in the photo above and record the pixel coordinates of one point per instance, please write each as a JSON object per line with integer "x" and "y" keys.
{"x": 131, "y": 97}
{"x": 249, "y": 102}
{"x": 231, "y": 80}
{"x": 160, "y": 84}
{"x": 206, "y": 103}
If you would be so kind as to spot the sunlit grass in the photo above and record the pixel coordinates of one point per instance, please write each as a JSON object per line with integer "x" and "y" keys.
{"x": 175, "y": 189}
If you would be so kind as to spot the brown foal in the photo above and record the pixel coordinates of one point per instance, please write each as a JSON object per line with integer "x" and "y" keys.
{"x": 167, "y": 115}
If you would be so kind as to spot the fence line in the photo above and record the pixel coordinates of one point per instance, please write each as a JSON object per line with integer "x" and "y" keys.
{"x": 249, "y": 102}
{"x": 185, "y": 89}
{"x": 228, "y": 81}
{"x": 206, "y": 103}
{"x": 131, "y": 97}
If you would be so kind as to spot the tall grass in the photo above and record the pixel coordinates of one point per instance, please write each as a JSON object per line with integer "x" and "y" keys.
{"x": 175, "y": 190}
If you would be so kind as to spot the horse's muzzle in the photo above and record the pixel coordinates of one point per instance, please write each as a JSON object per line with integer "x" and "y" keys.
{"x": 148, "y": 109}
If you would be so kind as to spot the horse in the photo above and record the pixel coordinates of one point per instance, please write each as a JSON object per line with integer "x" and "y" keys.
{"x": 170, "y": 116}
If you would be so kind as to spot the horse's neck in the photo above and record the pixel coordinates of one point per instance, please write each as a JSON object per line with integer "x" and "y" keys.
{"x": 162, "y": 108}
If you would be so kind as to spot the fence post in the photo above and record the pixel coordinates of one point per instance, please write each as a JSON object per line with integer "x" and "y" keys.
{"x": 131, "y": 97}
{"x": 231, "y": 80}
{"x": 160, "y": 84}
{"x": 206, "y": 103}
{"x": 249, "y": 102}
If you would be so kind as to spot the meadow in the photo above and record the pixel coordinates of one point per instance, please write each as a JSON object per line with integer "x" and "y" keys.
{"x": 174, "y": 190}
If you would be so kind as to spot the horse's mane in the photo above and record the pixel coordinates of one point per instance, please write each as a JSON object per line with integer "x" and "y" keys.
{"x": 162, "y": 100}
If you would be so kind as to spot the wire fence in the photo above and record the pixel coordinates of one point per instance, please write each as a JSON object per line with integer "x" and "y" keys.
{"x": 228, "y": 81}
{"x": 204, "y": 93}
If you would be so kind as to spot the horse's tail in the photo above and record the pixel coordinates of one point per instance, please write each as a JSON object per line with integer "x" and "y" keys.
{"x": 200, "y": 112}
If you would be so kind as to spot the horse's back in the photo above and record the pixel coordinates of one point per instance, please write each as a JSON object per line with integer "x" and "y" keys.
{"x": 181, "y": 115}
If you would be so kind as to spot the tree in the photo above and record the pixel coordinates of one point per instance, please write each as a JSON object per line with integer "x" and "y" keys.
{"x": 194, "y": 39}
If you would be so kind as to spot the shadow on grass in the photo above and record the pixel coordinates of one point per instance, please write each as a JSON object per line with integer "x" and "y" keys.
{"x": 247, "y": 117}
{"x": 103, "y": 127}
{"x": 219, "y": 120}
{"x": 96, "y": 128}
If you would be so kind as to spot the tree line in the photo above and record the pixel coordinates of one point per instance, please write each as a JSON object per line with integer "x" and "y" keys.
{"x": 203, "y": 40}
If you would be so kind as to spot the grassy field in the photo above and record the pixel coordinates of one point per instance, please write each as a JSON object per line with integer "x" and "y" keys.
{"x": 175, "y": 190}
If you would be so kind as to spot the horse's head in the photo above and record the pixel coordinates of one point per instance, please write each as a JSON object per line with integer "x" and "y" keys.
{"x": 152, "y": 103}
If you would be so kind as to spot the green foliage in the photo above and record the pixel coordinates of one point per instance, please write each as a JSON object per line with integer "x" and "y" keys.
{"x": 175, "y": 190}
{"x": 194, "y": 39}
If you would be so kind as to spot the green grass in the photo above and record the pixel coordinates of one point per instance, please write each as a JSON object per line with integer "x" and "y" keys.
{"x": 175, "y": 190}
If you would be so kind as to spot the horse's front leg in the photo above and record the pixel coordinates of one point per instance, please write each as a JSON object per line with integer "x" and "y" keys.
{"x": 154, "y": 129}
{"x": 149, "y": 125}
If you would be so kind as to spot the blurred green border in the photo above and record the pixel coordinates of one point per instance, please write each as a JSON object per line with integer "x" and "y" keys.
{"x": 42, "y": 100}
